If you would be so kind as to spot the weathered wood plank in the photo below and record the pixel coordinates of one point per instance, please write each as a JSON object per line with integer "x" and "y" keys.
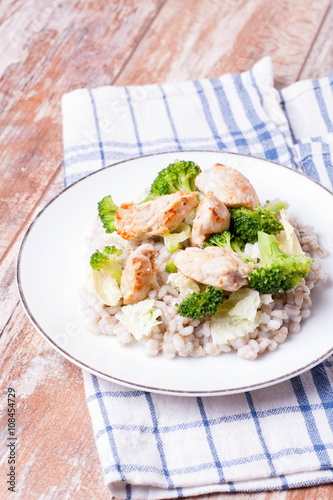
{"x": 320, "y": 60}
{"x": 194, "y": 39}
{"x": 47, "y": 49}
{"x": 56, "y": 455}
{"x": 8, "y": 289}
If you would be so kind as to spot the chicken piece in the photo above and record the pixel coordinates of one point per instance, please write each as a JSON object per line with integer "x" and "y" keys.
{"x": 212, "y": 216}
{"x": 159, "y": 216}
{"x": 140, "y": 268}
{"x": 215, "y": 266}
{"x": 228, "y": 185}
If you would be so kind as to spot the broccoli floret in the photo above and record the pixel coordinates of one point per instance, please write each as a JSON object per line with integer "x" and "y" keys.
{"x": 107, "y": 211}
{"x": 220, "y": 240}
{"x": 230, "y": 241}
{"x": 175, "y": 177}
{"x": 246, "y": 223}
{"x": 107, "y": 261}
{"x": 278, "y": 270}
{"x": 198, "y": 304}
{"x": 170, "y": 266}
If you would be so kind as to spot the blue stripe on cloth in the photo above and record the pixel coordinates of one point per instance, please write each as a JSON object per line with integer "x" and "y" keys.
{"x": 264, "y": 136}
{"x": 133, "y": 145}
{"x": 322, "y": 105}
{"x": 172, "y": 123}
{"x": 284, "y": 482}
{"x": 310, "y": 423}
{"x": 254, "y": 83}
{"x": 290, "y": 131}
{"x": 135, "y": 125}
{"x": 259, "y": 433}
{"x": 118, "y": 156}
{"x": 208, "y": 114}
{"x": 116, "y": 394}
{"x": 158, "y": 439}
{"x": 203, "y": 466}
{"x": 64, "y": 171}
{"x": 324, "y": 389}
{"x": 327, "y": 159}
{"x": 128, "y": 489}
{"x": 212, "y": 422}
{"x": 284, "y": 108}
{"x": 307, "y": 160}
{"x": 328, "y": 362}
{"x": 210, "y": 440}
{"x": 99, "y": 136}
{"x": 227, "y": 114}
{"x": 232, "y": 486}
{"x": 108, "y": 426}
{"x": 84, "y": 157}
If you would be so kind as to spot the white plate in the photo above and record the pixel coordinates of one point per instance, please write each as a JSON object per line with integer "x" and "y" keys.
{"x": 51, "y": 270}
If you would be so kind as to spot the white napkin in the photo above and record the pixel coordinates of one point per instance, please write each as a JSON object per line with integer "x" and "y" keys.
{"x": 155, "y": 446}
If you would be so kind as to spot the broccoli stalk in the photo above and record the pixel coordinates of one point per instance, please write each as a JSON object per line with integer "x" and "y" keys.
{"x": 107, "y": 211}
{"x": 278, "y": 270}
{"x": 246, "y": 223}
{"x": 198, "y": 304}
{"x": 230, "y": 241}
{"x": 107, "y": 261}
{"x": 276, "y": 208}
{"x": 175, "y": 177}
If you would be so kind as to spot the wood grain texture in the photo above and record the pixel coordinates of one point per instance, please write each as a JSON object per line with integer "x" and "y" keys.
{"x": 49, "y": 48}
{"x": 320, "y": 60}
{"x": 8, "y": 289}
{"x": 55, "y": 455}
{"x": 209, "y": 38}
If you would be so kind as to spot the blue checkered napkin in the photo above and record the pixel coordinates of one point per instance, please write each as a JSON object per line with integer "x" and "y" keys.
{"x": 155, "y": 446}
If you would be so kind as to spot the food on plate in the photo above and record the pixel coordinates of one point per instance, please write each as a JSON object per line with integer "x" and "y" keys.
{"x": 175, "y": 177}
{"x": 228, "y": 185}
{"x": 215, "y": 266}
{"x": 212, "y": 216}
{"x": 247, "y": 223}
{"x": 233, "y": 243}
{"x": 159, "y": 216}
{"x": 104, "y": 279}
{"x": 200, "y": 267}
{"x": 277, "y": 270}
{"x": 139, "y": 271}
{"x": 107, "y": 212}
{"x": 197, "y": 305}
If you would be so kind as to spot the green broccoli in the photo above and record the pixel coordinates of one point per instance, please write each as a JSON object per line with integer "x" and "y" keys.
{"x": 175, "y": 177}
{"x": 230, "y": 241}
{"x": 170, "y": 266}
{"x": 246, "y": 223}
{"x": 198, "y": 304}
{"x": 107, "y": 261}
{"x": 107, "y": 211}
{"x": 278, "y": 270}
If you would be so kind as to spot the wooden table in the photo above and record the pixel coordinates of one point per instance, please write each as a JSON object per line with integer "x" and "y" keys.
{"x": 49, "y": 48}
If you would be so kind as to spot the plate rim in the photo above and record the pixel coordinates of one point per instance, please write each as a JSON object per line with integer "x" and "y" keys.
{"x": 173, "y": 392}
